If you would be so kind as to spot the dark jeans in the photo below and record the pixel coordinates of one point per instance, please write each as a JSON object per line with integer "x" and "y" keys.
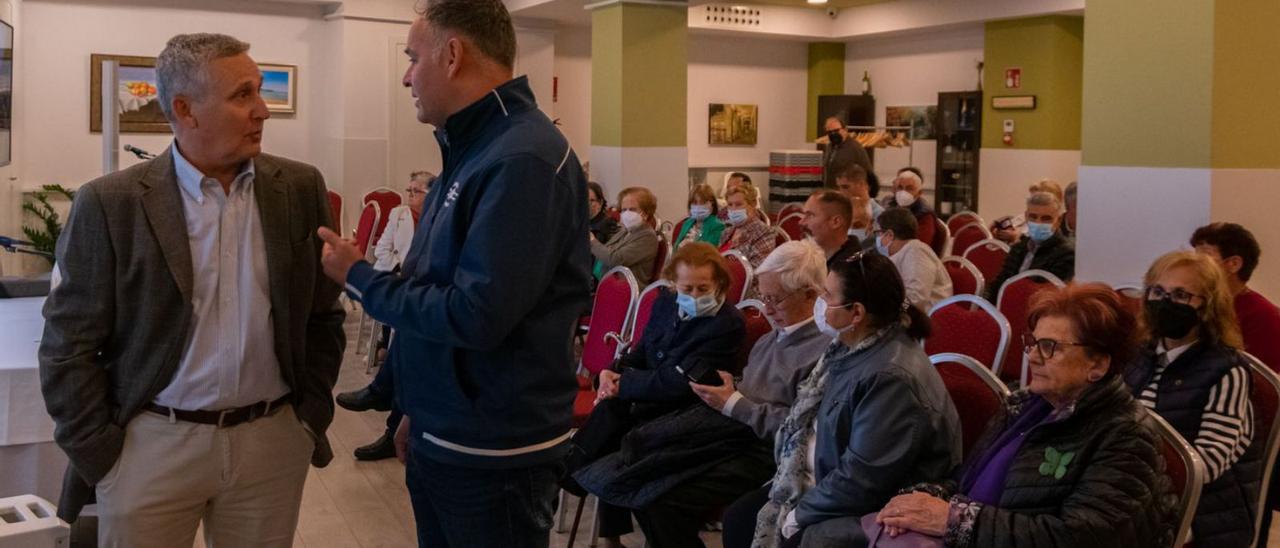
{"x": 674, "y": 520}
{"x": 457, "y": 507}
{"x": 383, "y": 385}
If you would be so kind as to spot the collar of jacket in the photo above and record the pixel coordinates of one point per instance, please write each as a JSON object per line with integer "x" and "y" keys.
{"x": 1105, "y": 394}
{"x": 468, "y": 124}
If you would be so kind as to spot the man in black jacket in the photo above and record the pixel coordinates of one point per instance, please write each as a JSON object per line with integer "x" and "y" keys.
{"x": 841, "y": 151}
{"x": 489, "y": 292}
{"x": 1042, "y": 248}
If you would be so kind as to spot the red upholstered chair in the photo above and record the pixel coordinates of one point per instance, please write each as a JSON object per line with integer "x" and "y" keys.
{"x": 961, "y": 220}
{"x": 1186, "y": 472}
{"x": 335, "y": 210}
{"x": 615, "y": 300}
{"x": 1131, "y": 295}
{"x": 370, "y": 217}
{"x": 793, "y": 207}
{"x": 988, "y": 256}
{"x": 965, "y": 278}
{"x": 757, "y": 326}
{"x": 793, "y": 225}
{"x": 387, "y": 199}
{"x": 614, "y": 213}
{"x": 968, "y": 235}
{"x": 780, "y": 236}
{"x": 979, "y": 395}
{"x": 1265, "y": 397}
{"x": 941, "y": 243}
{"x": 969, "y": 325}
{"x": 1013, "y": 301}
{"x": 675, "y": 230}
{"x": 740, "y": 275}
{"x": 664, "y": 255}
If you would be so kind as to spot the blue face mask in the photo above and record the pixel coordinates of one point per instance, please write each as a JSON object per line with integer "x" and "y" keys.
{"x": 881, "y": 248}
{"x": 737, "y": 216}
{"x": 696, "y": 308}
{"x": 699, "y": 212}
{"x": 1039, "y": 232}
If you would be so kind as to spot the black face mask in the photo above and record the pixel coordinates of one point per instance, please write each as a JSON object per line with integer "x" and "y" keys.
{"x": 1172, "y": 320}
{"x": 835, "y": 137}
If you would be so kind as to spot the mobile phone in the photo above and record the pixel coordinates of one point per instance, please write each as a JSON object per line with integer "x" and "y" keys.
{"x": 701, "y": 375}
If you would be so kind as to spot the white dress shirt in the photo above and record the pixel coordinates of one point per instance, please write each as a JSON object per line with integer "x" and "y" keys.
{"x": 923, "y": 275}
{"x": 230, "y": 358}
{"x": 395, "y": 240}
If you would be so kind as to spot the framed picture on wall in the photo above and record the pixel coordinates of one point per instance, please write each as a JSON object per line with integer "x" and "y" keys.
{"x": 280, "y": 87}
{"x": 137, "y": 99}
{"x": 732, "y": 124}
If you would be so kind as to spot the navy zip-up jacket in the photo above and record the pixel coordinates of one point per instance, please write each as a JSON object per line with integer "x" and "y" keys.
{"x": 490, "y": 291}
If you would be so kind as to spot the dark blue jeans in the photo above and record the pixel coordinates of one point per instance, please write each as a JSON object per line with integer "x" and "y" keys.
{"x": 457, "y": 507}
{"x": 383, "y": 384}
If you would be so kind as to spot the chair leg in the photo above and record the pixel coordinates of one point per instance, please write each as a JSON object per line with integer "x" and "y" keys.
{"x": 595, "y": 525}
{"x": 360, "y": 331}
{"x": 562, "y": 512}
{"x": 577, "y": 520}
{"x": 371, "y": 355}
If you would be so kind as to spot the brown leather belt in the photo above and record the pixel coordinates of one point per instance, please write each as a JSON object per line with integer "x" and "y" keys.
{"x": 225, "y": 418}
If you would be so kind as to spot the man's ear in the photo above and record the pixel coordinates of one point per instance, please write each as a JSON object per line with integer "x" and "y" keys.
{"x": 183, "y": 114}
{"x": 454, "y": 52}
{"x": 1233, "y": 264}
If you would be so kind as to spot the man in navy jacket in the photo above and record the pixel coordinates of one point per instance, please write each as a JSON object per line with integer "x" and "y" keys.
{"x": 489, "y": 293}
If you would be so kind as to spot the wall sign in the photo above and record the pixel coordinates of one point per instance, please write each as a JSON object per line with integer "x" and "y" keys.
{"x": 1013, "y": 78}
{"x": 1023, "y": 102}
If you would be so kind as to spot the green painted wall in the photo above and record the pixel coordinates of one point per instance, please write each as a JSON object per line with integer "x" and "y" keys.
{"x": 639, "y": 75}
{"x": 1246, "y": 54}
{"x": 1050, "y": 52}
{"x": 1148, "y": 81}
{"x": 826, "y": 77}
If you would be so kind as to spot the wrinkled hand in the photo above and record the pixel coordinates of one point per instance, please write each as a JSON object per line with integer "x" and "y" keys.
{"x": 917, "y": 512}
{"x": 338, "y": 256}
{"x": 715, "y": 396}
{"x": 401, "y": 439}
{"x": 608, "y": 385}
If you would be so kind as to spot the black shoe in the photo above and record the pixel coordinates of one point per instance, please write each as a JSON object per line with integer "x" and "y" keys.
{"x": 363, "y": 399}
{"x": 384, "y": 448}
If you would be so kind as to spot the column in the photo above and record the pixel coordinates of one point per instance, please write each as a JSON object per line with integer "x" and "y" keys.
{"x": 826, "y": 77}
{"x": 639, "y": 91}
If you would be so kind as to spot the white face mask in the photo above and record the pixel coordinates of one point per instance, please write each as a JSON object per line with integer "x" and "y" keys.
{"x": 904, "y": 198}
{"x": 737, "y": 216}
{"x": 631, "y": 219}
{"x": 699, "y": 212}
{"x": 820, "y": 318}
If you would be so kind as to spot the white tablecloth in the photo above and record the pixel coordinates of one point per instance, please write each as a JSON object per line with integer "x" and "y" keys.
{"x": 29, "y": 461}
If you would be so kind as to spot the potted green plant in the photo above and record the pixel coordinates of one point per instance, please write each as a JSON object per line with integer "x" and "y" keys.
{"x": 44, "y": 238}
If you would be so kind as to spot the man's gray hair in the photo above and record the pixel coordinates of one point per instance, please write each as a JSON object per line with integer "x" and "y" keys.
{"x": 800, "y": 265}
{"x": 1044, "y": 199}
{"x": 183, "y": 66}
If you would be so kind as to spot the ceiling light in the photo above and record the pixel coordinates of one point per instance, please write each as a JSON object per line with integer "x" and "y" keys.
{"x": 817, "y": 2}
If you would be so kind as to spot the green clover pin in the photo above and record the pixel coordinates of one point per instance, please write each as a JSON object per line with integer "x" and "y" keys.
{"x": 1055, "y": 463}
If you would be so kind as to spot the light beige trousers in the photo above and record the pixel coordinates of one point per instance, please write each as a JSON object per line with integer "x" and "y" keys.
{"x": 245, "y": 482}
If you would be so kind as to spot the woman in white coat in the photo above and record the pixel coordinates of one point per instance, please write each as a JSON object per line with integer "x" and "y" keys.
{"x": 395, "y": 240}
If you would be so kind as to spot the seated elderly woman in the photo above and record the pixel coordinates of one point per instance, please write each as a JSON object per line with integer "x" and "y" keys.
{"x": 636, "y": 245}
{"x": 871, "y": 418}
{"x": 790, "y": 280}
{"x": 1073, "y": 461}
{"x": 603, "y": 227}
{"x": 649, "y": 432}
{"x": 703, "y": 224}
{"x": 1190, "y": 373}
{"x": 748, "y": 234}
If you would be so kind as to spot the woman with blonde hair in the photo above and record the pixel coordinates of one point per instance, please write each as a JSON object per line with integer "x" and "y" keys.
{"x": 1191, "y": 373}
{"x": 748, "y": 234}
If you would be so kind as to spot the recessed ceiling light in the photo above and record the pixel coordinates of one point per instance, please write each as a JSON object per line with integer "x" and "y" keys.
{"x": 817, "y": 2}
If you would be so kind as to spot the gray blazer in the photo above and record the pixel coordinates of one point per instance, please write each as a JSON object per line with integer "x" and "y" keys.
{"x": 633, "y": 248}
{"x": 115, "y": 327}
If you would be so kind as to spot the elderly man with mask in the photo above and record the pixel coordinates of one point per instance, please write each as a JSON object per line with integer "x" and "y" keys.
{"x": 841, "y": 150}
{"x": 1043, "y": 247}
{"x": 908, "y": 192}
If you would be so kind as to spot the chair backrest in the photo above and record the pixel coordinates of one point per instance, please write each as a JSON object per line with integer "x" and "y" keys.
{"x": 335, "y": 210}
{"x": 740, "y": 275}
{"x": 387, "y": 200}
{"x": 988, "y": 256}
{"x": 780, "y": 236}
{"x": 962, "y": 219}
{"x": 968, "y": 235}
{"x": 941, "y": 243}
{"x": 965, "y": 278}
{"x": 665, "y": 228}
{"x": 613, "y": 307}
{"x": 793, "y": 225}
{"x": 1013, "y": 301}
{"x": 644, "y": 308}
{"x": 1186, "y": 472}
{"x": 1131, "y": 296}
{"x": 675, "y": 230}
{"x": 370, "y": 216}
{"x": 664, "y": 255}
{"x": 1265, "y": 398}
{"x": 793, "y": 207}
{"x": 757, "y": 326}
{"x": 976, "y": 392}
{"x": 614, "y": 213}
{"x": 969, "y": 325}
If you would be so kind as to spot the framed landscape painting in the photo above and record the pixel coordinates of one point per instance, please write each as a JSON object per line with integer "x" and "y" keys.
{"x": 280, "y": 87}
{"x": 137, "y": 99}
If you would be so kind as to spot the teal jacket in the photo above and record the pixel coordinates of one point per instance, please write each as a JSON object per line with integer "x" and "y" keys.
{"x": 712, "y": 228}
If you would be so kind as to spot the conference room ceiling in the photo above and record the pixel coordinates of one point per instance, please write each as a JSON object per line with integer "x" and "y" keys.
{"x": 804, "y": 3}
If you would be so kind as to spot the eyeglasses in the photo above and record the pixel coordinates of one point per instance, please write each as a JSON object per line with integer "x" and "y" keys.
{"x": 771, "y": 302}
{"x": 1047, "y": 347}
{"x": 1177, "y": 295}
{"x": 411, "y": 191}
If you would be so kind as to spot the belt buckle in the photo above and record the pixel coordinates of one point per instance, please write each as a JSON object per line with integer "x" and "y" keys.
{"x": 222, "y": 415}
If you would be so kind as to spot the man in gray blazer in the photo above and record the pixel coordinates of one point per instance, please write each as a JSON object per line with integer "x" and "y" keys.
{"x": 190, "y": 351}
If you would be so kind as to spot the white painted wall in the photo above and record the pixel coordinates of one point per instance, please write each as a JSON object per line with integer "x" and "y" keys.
{"x": 1006, "y": 174}
{"x": 772, "y": 74}
{"x": 910, "y": 70}
{"x": 572, "y": 66}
